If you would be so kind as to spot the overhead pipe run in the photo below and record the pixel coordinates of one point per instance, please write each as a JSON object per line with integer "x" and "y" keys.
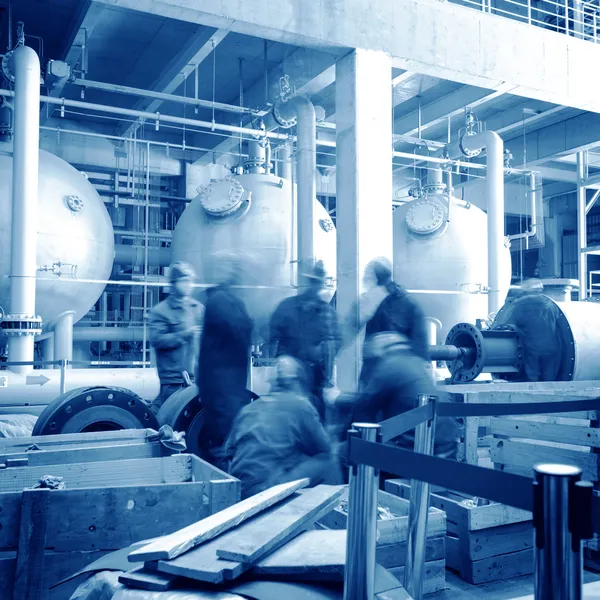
{"x": 22, "y": 324}
{"x": 471, "y": 144}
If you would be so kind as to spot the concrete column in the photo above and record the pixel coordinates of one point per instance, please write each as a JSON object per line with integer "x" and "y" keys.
{"x": 363, "y": 183}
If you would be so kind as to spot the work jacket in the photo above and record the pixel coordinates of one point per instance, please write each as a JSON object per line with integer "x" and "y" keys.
{"x": 175, "y": 352}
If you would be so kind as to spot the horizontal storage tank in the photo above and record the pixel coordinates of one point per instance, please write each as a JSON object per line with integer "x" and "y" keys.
{"x": 75, "y": 238}
{"x": 251, "y": 214}
{"x": 440, "y": 244}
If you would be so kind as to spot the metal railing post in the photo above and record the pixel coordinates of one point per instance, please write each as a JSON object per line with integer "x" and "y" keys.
{"x": 359, "y": 575}
{"x": 558, "y": 562}
{"x": 419, "y": 509}
{"x": 63, "y": 376}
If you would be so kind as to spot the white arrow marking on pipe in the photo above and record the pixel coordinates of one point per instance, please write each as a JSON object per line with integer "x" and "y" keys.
{"x": 36, "y": 380}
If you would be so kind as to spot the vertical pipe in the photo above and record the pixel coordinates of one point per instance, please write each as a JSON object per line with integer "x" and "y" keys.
{"x": 63, "y": 336}
{"x": 419, "y": 510}
{"x": 557, "y": 576}
{"x": 47, "y": 348}
{"x": 146, "y": 225}
{"x": 359, "y": 576}
{"x": 581, "y": 226}
{"x": 494, "y": 146}
{"x": 104, "y": 317}
{"x": 578, "y": 16}
{"x": 23, "y": 260}
{"x": 286, "y": 160}
{"x": 567, "y": 17}
{"x": 529, "y": 12}
{"x": 63, "y": 376}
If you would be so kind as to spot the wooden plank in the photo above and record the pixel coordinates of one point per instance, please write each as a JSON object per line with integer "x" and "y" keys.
{"x": 495, "y": 541}
{"x": 144, "y": 579}
{"x": 434, "y": 579}
{"x": 29, "y": 582}
{"x": 140, "y": 471}
{"x": 525, "y": 455}
{"x": 505, "y": 566}
{"x": 271, "y": 530}
{"x": 181, "y": 541}
{"x": 86, "y": 454}
{"x": 223, "y": 493}
{"x": 66, "y": 440}
{"x": 566, "y": 388}
{"x": 471, "y": 435}
{"x": 566, "y": 434}
{"x": 394, "y": 555}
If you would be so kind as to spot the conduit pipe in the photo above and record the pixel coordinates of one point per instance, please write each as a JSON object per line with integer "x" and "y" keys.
{"x": 23, "y": 262}
{"x": 135, "y": 256}
{"x": 532, "y": 190}
{"x": 471, "y": 145}
{"x": 152, "y": 117}
{"x": 124, "y": 89}
{"x": 108, "y": 334}
{"x": 301, "y": 109}
{"x": 63, "y": 336}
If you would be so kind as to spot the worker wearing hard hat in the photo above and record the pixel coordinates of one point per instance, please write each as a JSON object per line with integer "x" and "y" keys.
{"x": 280, "y": 438}
{"x": 306, "y": 327}
{"x": 174, "y": 326}
{"x": 387, "y": 307}
{"x": 224, "y": 362}
{"x": 397, "y": 377}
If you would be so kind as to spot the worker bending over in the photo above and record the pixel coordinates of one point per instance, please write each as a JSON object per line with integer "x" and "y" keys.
{"x": 224, "y": 359}
{"x": 306, "y": 327}
{"x": 174, "y": 326}
{"x": 280, "y": 438}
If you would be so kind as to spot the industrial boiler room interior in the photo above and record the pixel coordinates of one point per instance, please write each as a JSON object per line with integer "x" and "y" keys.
{"x": 299, "y": 299}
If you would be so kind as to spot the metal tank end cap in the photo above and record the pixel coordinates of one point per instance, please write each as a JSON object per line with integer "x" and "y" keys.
{"x": 557, "y": 470}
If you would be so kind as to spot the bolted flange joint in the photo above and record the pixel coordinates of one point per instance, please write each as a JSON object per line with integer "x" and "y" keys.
{"x": 17, "y": 325}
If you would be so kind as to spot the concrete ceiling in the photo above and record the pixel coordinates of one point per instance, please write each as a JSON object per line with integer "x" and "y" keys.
{"x": 152, "y": 52}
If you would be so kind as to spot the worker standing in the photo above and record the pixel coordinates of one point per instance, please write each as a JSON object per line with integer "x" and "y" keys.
{"x": 224, "y": 362}
{"x": 306, "y": 327}
{"x": 387, "y": 307}
{"x": 174, "y": 327}
{"x": 280, "y": 438}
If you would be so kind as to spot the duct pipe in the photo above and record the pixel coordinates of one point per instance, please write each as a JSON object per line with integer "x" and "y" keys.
{"x": 286, "y": 160}
{"x": 532, "y": 191}
{"x": 303, "y": 110}
{"x": 23, "y": 261}
{"x": 124, "y": 89}
{"x": 22, "y": 397}
{"x": 108, "y": 334}
{"x": 152, "y": 117}
{"x": 63, "y": 336}
{"x": 47, "y": 348}
{"x": 473, "y": 144}
{"x": 134, "y": 256}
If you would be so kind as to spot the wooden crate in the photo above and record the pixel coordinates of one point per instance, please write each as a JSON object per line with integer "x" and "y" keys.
{"x": 106, "y": 506}
{"x": 81, "y": 448}
{"x": 483, "y": 543}
{"x": 392, "y": 536}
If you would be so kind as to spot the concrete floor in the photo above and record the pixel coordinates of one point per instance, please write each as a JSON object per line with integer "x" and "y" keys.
{"x": 518, "y": 588}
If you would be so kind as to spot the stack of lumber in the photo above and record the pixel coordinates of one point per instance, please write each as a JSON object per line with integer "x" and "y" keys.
{"x": 48, "y": 534}
{"x": 515, "y": 444}
{"x": 268, "y": 536}
{"x": 392, "y": 538}
{"x": 484, "y": 543}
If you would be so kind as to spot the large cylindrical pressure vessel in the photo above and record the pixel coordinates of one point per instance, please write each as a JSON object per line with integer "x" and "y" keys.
{"x": 251, "y": 215}
{"x": 75, "y": 238}
{"x": 440, "y": 245}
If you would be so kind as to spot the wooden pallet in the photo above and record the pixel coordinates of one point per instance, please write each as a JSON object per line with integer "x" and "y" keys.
{"x": 483, "y": 543}
{"x": 106, "y": 506}
{"x": 392, "y": 537}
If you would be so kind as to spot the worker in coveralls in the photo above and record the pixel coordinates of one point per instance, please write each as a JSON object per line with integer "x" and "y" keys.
{"x": 396, "y": 378}
{"x": 280, "y": 438}
{"x": 306, "y": 328}
{"x": 174, "y": 326}
{"x": 387, "y": 307}
{"x": 224, "y": 363}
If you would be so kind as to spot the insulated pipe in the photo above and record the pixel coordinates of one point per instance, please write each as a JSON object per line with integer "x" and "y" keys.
{"x": 108, "y": 334}
{"x": 23, "y": 261}
{"x": 63, "y": 336}
{"x": 286, "y": 160}
{"x": 494, "y": 146}
{"x": 302, "y": 109}
{"x": 134, "y": 256}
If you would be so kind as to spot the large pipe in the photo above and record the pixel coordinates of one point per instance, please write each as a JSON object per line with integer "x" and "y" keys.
{"x": 63, "y": 336}
{"x": 494, "y": 146}
{"x": 23, "y": 261}
{"x": 108, "y": 334}
{"x": 134, "y": 256}
{"x": 302, "y": 109}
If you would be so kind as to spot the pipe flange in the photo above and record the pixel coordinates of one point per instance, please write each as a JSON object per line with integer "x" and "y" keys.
{"x": 465, "y": 151}
{"x": 6, "y": 70}
{"x": 95, "y": 409}
{"x": 16, "y": 325}
{"x": 223, "y": 197}
{"x": 285, "y": 123}
{"x": 75, "y": 203}
{"x": 435, "y": 188}
{"x": 465, "y": 335}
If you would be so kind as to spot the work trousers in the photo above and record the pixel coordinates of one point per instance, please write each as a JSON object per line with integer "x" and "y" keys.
{"x": 166, "y": 391}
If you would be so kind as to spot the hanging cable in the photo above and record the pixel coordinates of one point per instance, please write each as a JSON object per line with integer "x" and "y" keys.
{"x": 241, "y": 68}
